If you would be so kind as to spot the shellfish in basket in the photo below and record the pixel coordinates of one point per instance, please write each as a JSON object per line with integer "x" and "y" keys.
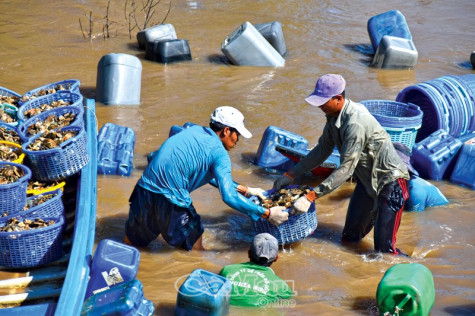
{"x": 50, "y": 140}
{"x": 9, "y": 153}
{"x": 50, "y": 123}
{"x": 45, "y": 107}
{"x": 10, "y": 174}
{"x": 14, "y": 225}
{"x": 9, "y": 135}
{"x": 13, "y": 100}
{"x": 285, "y": 196}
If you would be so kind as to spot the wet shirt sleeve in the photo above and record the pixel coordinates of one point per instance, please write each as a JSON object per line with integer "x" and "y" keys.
{"x": 353, "y": 144}
{"x": 227, "y": 187}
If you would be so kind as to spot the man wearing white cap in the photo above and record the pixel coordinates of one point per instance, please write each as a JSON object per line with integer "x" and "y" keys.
{"x": 366, "y": 154}
{"x": 161, "y": 202}
{"x": 254, "y": 283}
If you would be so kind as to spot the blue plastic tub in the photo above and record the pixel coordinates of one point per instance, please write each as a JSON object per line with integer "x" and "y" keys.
{"x": 52, "y": 208}
{"x": 391, "y": 23}
{"x": 13, "y": 195}
{"x": 401, "y": 121}
{"x": 78, "y": 120}
{"x": 31, "y": 248}
{"x": 60, "y": 162}
{"x": 203, "y": 293}
{"x": 434, "y": 157}
{"x": 464, "y": 170}
{"x": 114, "y": 263}
{"x": 125, "y": 299}
{"x": 71, "y": 85}
{"x": 271, "y": 159}
{"x": 73, "y": 98}
{"x": 296, "y": 228}
{"x": 115, "y": 150}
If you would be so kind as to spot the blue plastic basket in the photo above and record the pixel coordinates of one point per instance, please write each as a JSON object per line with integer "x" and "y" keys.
{"x": 13, "y": 195}
{"x": 78, "y": 120}
{"x": 11, "y": 110}
{"x": 9, "y": 127}
{"x": 401, "y": 121}
{"x": 297, "y": 227}
{"x": 60, "y": 162}
{"x": 69, "y": 84}
{"x": 31, "y": 248}
{"x": 65, "y": 95}
{"x": 52, "y": 208}
{"x": 9, "y": 93}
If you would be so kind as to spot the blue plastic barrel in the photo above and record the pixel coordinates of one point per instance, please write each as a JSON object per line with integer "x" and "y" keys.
{"x": 115, "y": 150}
{"x": 464, "y": 170}
{"x": 448, "y": 103}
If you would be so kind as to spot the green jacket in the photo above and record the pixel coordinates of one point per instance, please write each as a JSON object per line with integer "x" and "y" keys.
{"x": 254, "y": 285}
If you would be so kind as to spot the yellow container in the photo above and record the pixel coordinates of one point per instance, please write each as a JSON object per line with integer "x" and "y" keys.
{"x": 49, "y": 189}
{"x": 10, "y": 144}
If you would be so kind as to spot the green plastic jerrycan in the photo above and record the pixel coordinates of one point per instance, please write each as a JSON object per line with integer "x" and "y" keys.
{"x": 406, "y": 289}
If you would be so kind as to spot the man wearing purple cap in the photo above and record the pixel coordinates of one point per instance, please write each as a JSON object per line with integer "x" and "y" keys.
{"x": 366, "y": 154}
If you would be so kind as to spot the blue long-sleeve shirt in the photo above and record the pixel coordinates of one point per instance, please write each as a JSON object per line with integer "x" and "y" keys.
{"x": 189, "y": 160}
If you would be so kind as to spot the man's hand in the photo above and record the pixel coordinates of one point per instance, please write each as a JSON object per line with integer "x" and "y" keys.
{"x": 283, "y": 180}
{"x": 300, "y": 206}
{"x": 256, "y": 191}
{"x": 277, "y": 215}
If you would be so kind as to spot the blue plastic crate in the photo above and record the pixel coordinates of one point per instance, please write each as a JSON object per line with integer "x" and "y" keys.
{"x": 60, "y": 162}
{"x": 435, "y": 156}
{"x": 296, "y": 228}
{"x": 203, "y": 293}
{"x": 114, "y": 263}
{"x": 271, "y": 159}
{"x": 115, "y": 150}
{"x": 391, "y": 23}
{"x": 78, "y": 119}
{"x": 52, "y": 208}
{"x": 464, "y": 170}
{"x": 73, "y": 98}
{"x": 68, "y": 84}
{"x": 31, "y": 248}
{"x": 125, "y": 300}
{"x": 13, "y": 195}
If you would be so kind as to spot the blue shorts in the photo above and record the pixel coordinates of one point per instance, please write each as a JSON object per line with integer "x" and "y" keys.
{"x": 151, "y": 214}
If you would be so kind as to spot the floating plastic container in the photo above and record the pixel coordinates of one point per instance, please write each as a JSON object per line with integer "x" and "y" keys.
{"x": 247, "y": 47}
{"x": 115, "y": 150}
{"x": 168, "y": 51}
{"x": 391, "y": 23}
{"x": 125, "y": 299}
{"x": 272, "y": 32}
{"x": 13, "y": 195}
{"x": 296, "y": 228}
{"x": 119, "y": 79}
{"x": 114, "y": 263}
{"x": 423, "y": 194}
{"x": 464, "y": 170}
{"x": 406, "y": 289}
{"x": 268, "y": 157}
{"x": 154, "y": 33}
{"x": 434, "y": 157}
{"x": 395, "y": 52}
{"x": 401, "y": 121}
{"x": 448, "y": 103}
{"x": 203, "y": 293}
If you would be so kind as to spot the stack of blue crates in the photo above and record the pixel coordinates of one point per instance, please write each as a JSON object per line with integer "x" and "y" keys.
{"x": 434, "y": 157}
{"x": 203, "y": 293}
{"x": 126, "y": 300}
{"x": 115, "y": 150}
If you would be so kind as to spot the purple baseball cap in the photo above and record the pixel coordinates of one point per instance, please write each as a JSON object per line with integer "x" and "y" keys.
{"x": 327, "y": 87}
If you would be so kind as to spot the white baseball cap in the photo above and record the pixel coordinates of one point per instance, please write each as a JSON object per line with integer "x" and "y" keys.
{"x": 229, "y": 116}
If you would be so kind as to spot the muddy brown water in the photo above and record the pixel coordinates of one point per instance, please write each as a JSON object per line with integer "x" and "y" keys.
{"x": 42, "y": 43}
